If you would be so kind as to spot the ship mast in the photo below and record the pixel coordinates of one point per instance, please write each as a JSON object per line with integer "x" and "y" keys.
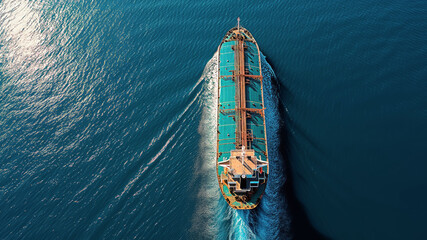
{"x": 238, "y": 23}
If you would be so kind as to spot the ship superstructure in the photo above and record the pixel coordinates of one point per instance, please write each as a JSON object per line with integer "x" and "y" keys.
{"x": 242, "y": 158}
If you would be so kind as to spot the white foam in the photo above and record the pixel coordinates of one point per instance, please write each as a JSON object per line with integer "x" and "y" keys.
{"x": 205, "y": 176}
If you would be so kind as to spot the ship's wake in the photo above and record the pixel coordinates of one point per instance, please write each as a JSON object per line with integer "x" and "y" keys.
{"x": 213, "y": 217}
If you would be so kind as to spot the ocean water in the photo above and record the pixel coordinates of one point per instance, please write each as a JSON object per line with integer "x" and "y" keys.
{"x": 107, "y": 119}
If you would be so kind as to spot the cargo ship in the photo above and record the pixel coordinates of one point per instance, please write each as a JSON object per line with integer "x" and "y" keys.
{"x": 242, "y": 158}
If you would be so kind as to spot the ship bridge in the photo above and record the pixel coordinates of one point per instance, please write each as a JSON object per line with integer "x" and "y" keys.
{"x": 244, "y": 171}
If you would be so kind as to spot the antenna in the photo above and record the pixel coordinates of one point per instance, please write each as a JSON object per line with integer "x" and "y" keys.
{"x": 238, "y": 23}
{"x": 243, "y": 153}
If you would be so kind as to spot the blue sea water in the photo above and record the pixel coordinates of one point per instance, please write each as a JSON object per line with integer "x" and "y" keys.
{"x": 107, "y": 119}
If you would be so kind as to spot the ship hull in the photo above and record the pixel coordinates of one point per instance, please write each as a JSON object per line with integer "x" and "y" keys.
{"x": 242, "y": 156}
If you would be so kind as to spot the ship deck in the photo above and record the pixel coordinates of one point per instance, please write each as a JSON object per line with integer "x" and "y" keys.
{"x": 241, "y": 121}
